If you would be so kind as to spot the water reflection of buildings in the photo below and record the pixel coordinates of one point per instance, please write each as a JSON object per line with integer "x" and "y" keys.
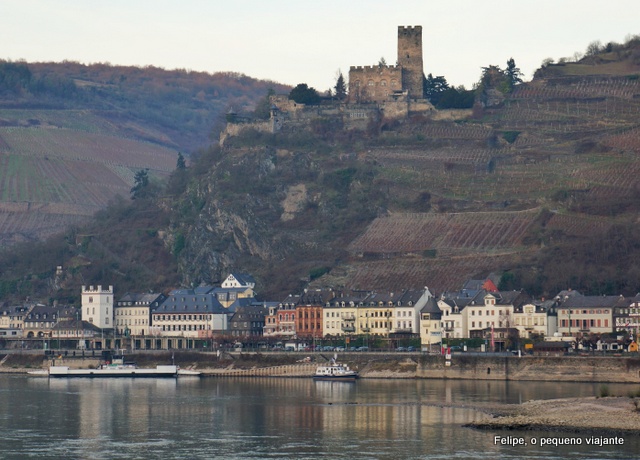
{"x": 259, "y": 411}
{"x": 116, "y": 408}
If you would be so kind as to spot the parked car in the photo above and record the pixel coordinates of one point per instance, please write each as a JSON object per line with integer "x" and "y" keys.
{"x": 362, "y": 349}
{"x": 339, "y": 349}
{"x": 411, "y": 348}
{"x": 401, "y": 349}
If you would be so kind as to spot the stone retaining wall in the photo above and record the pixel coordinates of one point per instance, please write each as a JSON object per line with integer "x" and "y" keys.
{"x": 566, "y": 369}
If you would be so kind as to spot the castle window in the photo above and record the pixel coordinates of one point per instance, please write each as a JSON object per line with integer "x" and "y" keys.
{"x": 383, "y": 82}
{"x": 370, "y": 83}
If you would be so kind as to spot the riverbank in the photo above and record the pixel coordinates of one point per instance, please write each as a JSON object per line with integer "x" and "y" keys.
{"x": 592, "y": 369}
{"x": 617, "y": 415}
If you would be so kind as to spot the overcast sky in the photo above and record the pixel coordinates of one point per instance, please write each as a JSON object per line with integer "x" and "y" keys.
{"x": 296, "y": 41}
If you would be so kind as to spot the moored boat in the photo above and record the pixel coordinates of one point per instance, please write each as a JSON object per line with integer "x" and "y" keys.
{"x": 117, "y": 367}
{"x": 335, "y": 372}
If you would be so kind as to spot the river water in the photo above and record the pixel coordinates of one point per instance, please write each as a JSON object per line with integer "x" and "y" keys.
{"x": 258, "y": 418}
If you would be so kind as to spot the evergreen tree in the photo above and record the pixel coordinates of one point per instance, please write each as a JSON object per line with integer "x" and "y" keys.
{"x": 303, "y": 94}
{"x": 513, "y": 73}
{"x": 433, "y": 87}
{"x": 181, "y": 163}
{"x": 141, "y": 182}
{"x": 340, "y": 88}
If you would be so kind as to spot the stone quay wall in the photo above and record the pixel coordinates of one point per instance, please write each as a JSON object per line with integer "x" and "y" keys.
{"x": 552, "y": 369}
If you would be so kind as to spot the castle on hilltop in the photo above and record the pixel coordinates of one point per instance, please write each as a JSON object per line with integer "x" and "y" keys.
{"x": 380, "y": 83}
{"x": 374, "y": 92}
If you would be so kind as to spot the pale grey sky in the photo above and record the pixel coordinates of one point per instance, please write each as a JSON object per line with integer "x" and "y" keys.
{"x": 296, "y": 41}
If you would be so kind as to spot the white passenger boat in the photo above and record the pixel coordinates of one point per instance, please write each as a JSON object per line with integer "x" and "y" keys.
{"x": 115, "y": 371}
{"x": 117, "y": 368}
{"x": 335, "y": 372}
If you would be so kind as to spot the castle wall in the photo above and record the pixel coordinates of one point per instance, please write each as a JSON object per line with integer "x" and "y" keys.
{"x": 422, "y": 106}
{"x": 373, "y": 83}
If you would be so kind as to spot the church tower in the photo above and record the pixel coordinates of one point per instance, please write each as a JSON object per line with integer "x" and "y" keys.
{"x": 410, "y": 58}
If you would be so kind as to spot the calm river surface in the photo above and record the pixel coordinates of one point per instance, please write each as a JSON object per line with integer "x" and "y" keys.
{"x": 258, "y": 418}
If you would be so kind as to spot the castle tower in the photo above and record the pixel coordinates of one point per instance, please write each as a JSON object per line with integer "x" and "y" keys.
{"x": 97, "y": 306}
{"x": 410, "y": 58}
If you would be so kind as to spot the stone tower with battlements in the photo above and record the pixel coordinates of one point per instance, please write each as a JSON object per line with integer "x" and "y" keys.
{"x": 385, "y": 83}
{"x": 410, "y": 59}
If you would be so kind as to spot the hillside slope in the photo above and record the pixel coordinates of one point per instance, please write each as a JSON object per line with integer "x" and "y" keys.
{"x": 73, "y": 136}
{"x": 542, "y": 187}
{"x": 536, "y": 186}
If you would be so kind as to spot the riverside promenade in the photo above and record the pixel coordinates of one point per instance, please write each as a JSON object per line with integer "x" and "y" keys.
{"x": 604, "y": 369}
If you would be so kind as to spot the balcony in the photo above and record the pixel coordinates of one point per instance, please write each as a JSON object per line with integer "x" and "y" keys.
{"x": 348, "y": 329}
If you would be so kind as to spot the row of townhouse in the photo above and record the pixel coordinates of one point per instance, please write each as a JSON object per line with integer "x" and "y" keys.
{"x": 483, "y": 313}
{"x": 478, "y": 310}
{"x": 189, "y": 313}
{"x": 330, "y": 313}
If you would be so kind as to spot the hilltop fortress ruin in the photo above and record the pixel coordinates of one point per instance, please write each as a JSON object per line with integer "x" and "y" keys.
{"x": 375, "y": 92}
{"x": 403, "y": 81}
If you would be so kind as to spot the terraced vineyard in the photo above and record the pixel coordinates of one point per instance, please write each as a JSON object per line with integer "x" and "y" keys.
{"x": 53, "y": 177}
{"x": 446, "y": 233}
{"x": 438, "y": 274}
{"x": 576, "y": 137}
{"x": 579, "y": 225}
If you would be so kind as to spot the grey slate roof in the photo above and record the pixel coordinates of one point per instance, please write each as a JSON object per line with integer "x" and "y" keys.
{"x": 73, "y": 325}
{"x": 243, "y": 302}
{"x": 248, "y": 312}
{"x": 432, "y": 308}
{"x": 14, "y": 310}
{"x": 191, "y": 301}
{"x": 591, "y": 301}
{"x": 566, "y": 294}
{"x": 49, "y": 313}
{"x": 153, "y": 299}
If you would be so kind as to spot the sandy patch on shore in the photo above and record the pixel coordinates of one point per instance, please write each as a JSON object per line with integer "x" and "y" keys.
{"x": 611, "y": 414}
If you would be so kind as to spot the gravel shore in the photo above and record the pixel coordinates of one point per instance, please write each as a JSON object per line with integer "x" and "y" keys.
{"x": 590, "y": 415}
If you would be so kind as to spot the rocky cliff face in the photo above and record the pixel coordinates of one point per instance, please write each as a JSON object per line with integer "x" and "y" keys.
{"x": 269, "y": 211}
